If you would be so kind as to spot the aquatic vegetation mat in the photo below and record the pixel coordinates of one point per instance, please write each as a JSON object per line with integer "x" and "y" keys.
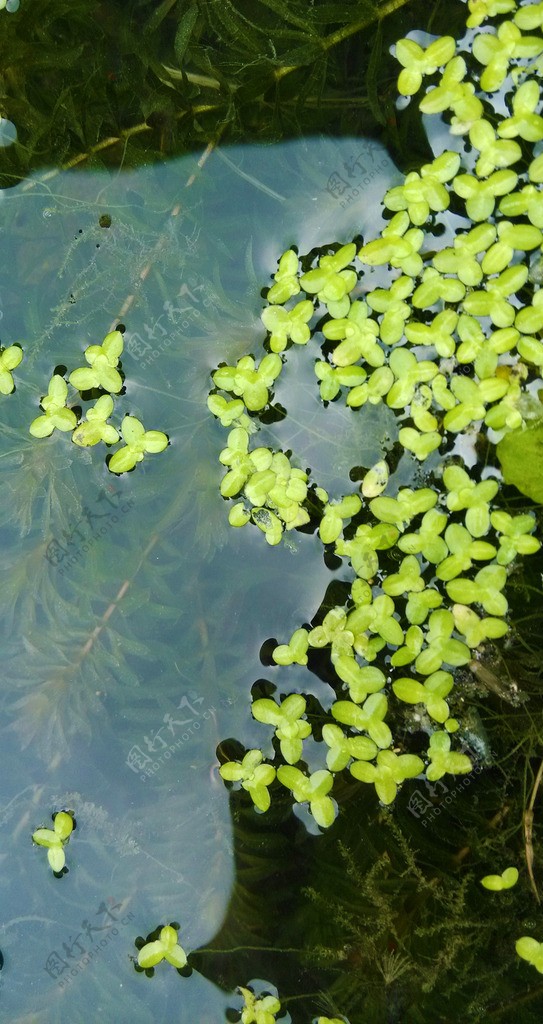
{"x": 384, "y": 779}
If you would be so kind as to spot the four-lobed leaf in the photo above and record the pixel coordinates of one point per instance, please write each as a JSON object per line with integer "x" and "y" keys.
{"x": 96, "y": 428}
{"x": 56, "y": 414}
{"x": 388, "y": 773}
{"x": 138, "y": 442}
{"x": 254, "y": 776}
{"x": 258, "y": 1009}
{"x": 102, "y": 370}
{"x": 290, "y": 728}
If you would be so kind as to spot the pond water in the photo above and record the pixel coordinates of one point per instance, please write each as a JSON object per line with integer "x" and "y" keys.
{"x": 134, "y": 618}
{"x": 136, "y": 623}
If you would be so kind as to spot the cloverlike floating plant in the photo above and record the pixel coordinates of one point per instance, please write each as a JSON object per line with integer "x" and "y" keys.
{"x": 54, "y": 839}
{"x": 165, "y": 947}
{"x": 258, "y": 1009}
{"x": 102, "y": 373}
{"x": 291, "y": 730}
{"x": 56, "y": 414}
{"x": 138, "y": 442}
{"x": 96, "y": 428}
{"x": 312, "y": 789}
{"x": 254, "y": 776}
{"x": 250, "y": 382}
{"x": 451, "y": 342}
{"x": 388, "y": 773}
{"x": 103, "y": 360}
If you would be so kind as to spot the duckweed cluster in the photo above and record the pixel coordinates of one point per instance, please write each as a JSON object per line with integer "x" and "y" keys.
{"x": 450, "y": 341}
{"x": 102, "y": 374}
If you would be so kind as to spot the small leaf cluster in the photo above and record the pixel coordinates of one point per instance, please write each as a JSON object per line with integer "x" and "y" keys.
{"x": 275, "y": 491}
{"x": 162, "y": 947}
{"x": 102, "y": 374}
{"x": 55, "y": 839}
{"x": 264, "y": 1008}
{"x": 258, "y": 1009}
{"x": 452, "y": 344}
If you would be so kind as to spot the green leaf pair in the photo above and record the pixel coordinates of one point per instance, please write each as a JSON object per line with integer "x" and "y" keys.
{"x": 531, "y": 950}
{"x": 9, "y": 360}
{"x": 497, "y": 883}
{"x": 334, "y": 514}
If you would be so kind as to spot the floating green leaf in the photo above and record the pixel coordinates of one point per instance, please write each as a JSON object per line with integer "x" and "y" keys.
{"x": 521, "y": 458}
{"x": 166, "y": 947}
{"x": 55, "y": 838}
{"x": 138, "y": 441}
{"x": 9, "y": 360}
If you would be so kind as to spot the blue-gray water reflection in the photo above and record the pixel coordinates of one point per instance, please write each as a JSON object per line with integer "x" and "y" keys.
{"x": 133, "y": 615}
